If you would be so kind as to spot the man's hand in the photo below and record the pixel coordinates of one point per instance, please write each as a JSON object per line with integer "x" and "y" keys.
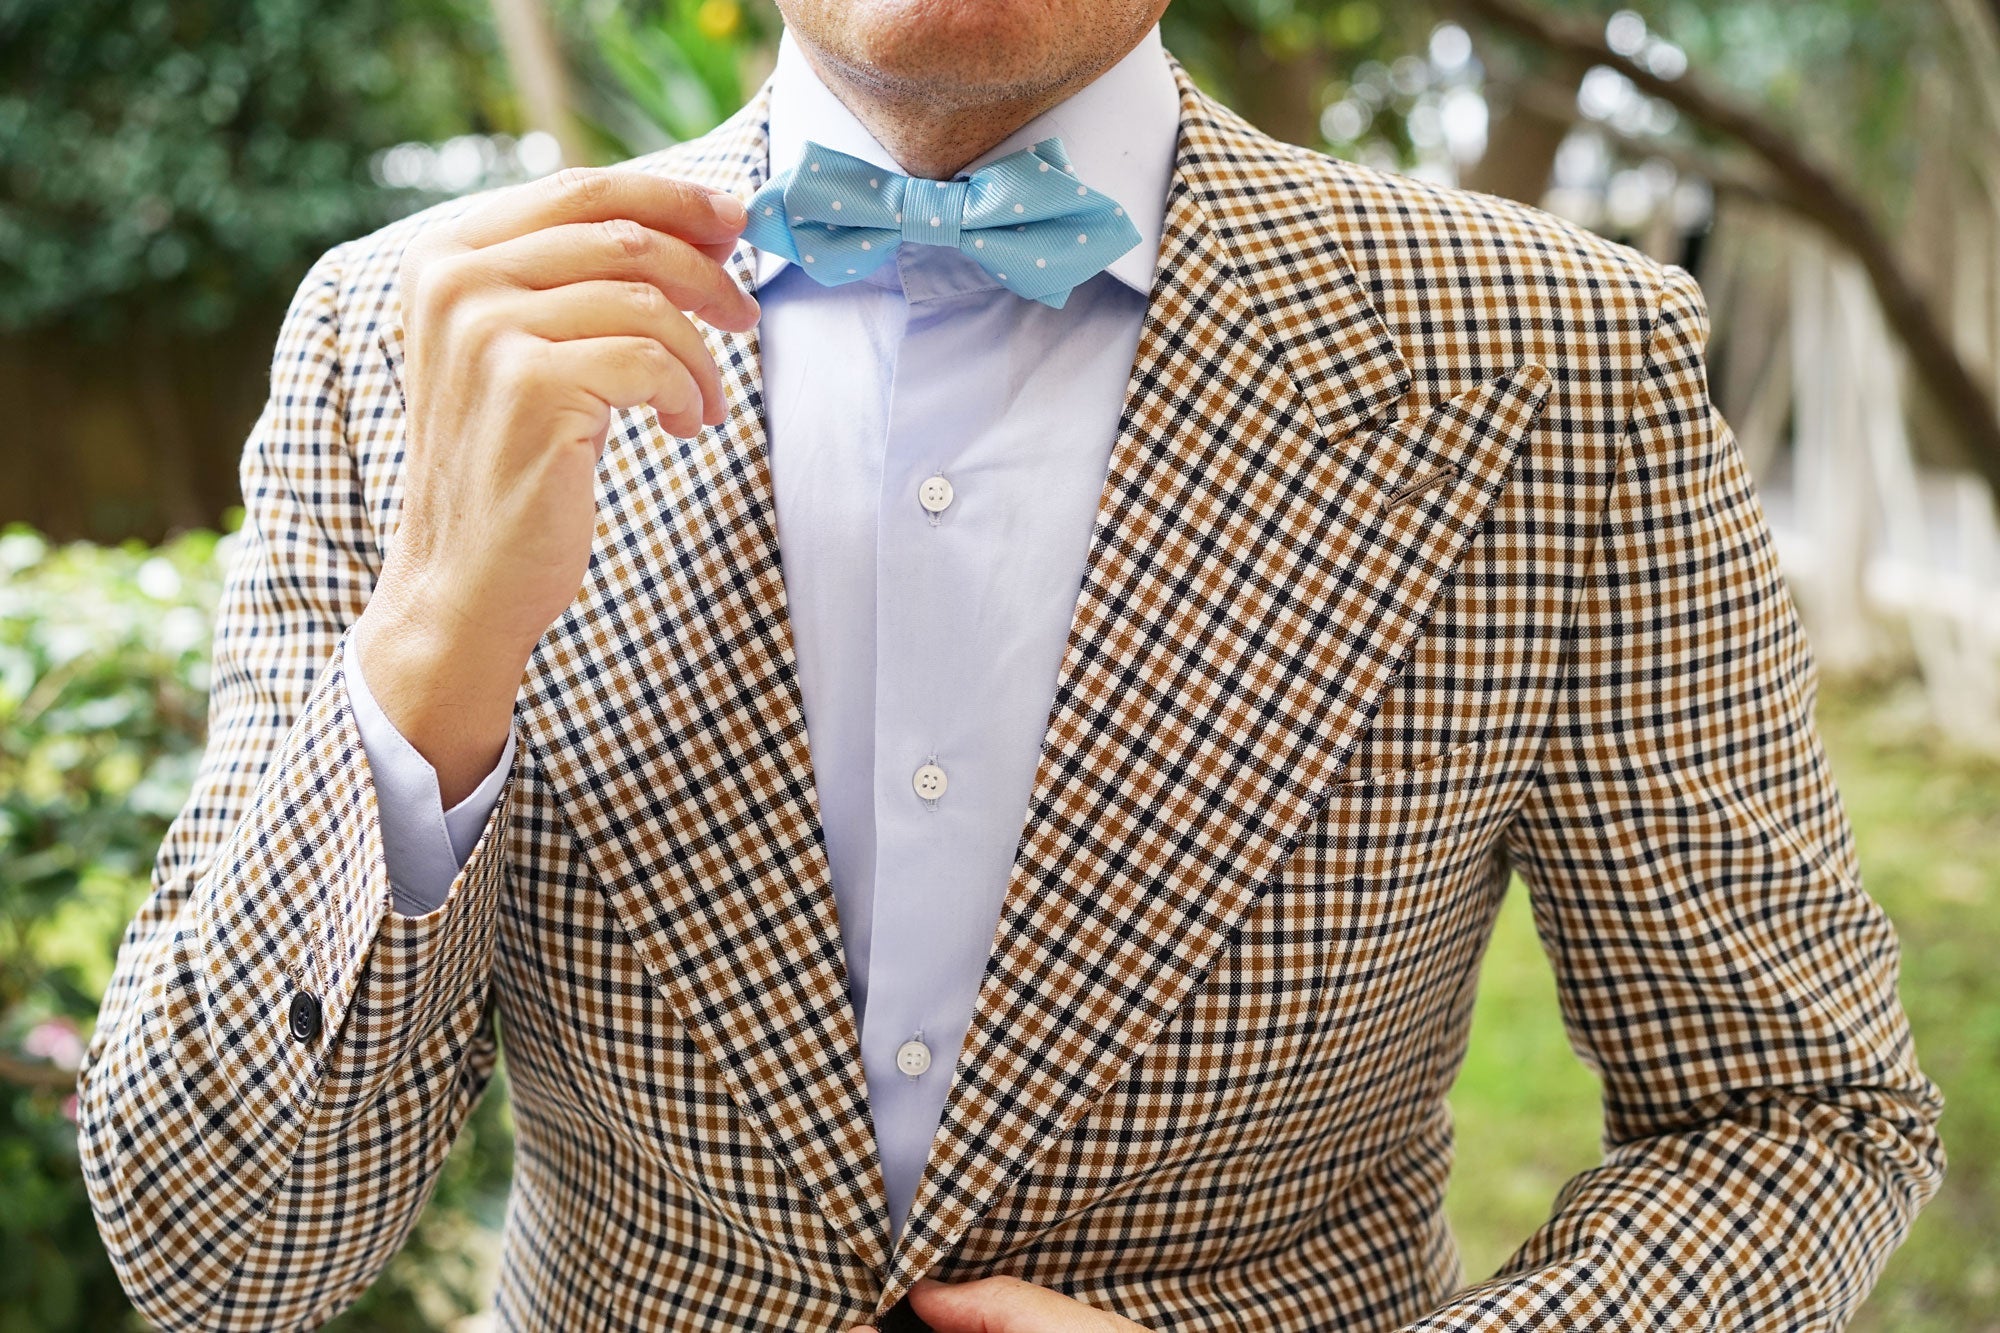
{"x": 1005, "y": 1305}
{"x": 526, "y": 323}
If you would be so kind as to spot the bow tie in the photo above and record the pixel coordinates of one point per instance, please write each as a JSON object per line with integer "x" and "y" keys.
{"x": 1023, "y": 218}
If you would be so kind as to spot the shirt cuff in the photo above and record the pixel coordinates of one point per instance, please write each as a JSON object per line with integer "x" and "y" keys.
{"x": 423, "y": 844}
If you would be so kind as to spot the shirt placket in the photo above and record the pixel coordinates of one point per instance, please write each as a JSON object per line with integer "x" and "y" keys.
{"x": 926, "y": 780}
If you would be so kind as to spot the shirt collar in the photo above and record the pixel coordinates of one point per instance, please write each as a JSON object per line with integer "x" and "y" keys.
{"x": 1119, "y": 130}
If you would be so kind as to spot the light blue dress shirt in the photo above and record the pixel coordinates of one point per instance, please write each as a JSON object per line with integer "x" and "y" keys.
{"x": 938, "y": 448}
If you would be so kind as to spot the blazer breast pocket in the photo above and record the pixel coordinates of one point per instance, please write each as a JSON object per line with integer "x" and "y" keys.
{"x": 1389, "y": 825}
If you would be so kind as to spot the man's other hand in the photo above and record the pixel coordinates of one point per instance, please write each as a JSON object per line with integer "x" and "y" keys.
{"x": 1005, "y": 1305}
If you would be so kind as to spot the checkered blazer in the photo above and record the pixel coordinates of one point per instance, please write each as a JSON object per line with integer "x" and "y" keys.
{"x": 1422, "y": 560}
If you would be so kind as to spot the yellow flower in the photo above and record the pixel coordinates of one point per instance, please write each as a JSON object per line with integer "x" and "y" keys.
{"x": 718, "y": 20}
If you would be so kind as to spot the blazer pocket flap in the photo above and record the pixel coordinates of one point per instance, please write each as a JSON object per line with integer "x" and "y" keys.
{"x": 1449, "y": 767}
{"x": 1391, "y": 824}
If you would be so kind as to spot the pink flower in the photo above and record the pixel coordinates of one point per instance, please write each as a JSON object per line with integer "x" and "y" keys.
{"x": 56, "y": 1041}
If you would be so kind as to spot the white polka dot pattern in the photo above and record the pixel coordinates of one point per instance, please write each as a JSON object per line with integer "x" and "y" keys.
{"x": 873, "y": 209}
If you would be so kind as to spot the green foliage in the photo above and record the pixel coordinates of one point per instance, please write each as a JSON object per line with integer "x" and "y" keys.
{"x": 103, "y": 687}
{"x": 1842, "y": 77}
{"x": 184, "y": 159}
{"x": 104, "y": 661}
{"x": 103, "y": 682}
{"x": 657, "y": 72}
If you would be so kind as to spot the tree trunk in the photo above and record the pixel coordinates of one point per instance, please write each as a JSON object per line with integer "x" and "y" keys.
{"x": 1523, "y": 138}
{"x": 1280, "y": 97}
{"x": 540, "y": 75}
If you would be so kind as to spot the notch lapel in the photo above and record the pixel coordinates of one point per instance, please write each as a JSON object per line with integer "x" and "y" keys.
{"x": 664, "y": 709}
{"x": 1263, "y": 554}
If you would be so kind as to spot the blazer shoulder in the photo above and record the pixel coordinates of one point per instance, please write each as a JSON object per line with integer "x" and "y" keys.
{"x": 1471, "y": 285}
{"x": 365, "y": 269}
{"x": 1445, "y": 220}
{"x": 1429, "y": 251}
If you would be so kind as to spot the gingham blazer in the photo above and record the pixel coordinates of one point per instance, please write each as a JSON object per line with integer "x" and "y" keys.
{"x": 1422, "y": 559}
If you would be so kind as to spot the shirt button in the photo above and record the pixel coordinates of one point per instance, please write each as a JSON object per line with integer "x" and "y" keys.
{"x": 935, "y": 494}
{"x": 929, "y": 782}
{"x": 303, "y": 1020}
{"x": 913, "y": 1057}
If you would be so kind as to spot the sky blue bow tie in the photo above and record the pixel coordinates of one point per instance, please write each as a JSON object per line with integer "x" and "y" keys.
{"x": 1024, "y": 218}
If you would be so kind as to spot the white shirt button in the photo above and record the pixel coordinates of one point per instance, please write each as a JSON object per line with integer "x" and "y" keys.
{"x": 935, "y": 495}
{"x": 913, "y": 1057}
{"x": 929, "y": 782}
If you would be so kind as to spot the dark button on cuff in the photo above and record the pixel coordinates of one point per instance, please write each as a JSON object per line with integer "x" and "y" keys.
{"x": 305, "y": 1015}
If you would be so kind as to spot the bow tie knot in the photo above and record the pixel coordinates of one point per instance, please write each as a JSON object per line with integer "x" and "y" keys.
{"x": 933, "y": 212}
{"x": 1024, "y": 218}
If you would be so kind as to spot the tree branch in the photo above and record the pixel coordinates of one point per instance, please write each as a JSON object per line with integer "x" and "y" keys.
{"x": 1813, "y": 191}
{"x": 1722, "y": 177}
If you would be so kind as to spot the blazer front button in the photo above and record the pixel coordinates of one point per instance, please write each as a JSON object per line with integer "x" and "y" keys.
{"x": 305, "y": 1015}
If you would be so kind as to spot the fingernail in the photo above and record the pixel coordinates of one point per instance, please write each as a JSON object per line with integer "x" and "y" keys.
{"x": 925, "y": 1283}
{"x": 729, "y": 209}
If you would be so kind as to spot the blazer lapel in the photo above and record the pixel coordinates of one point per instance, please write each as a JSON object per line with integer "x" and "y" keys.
{"x": 667, "y": 705}
{"x": 664, "y": 710}
{"x": 1262, "y": 556}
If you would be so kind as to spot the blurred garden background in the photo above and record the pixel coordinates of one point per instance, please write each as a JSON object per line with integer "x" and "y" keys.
{"x": 1830, "y": 169}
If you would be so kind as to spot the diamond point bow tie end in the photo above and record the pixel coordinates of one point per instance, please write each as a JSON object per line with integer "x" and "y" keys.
{"x": 1024, "y": 218}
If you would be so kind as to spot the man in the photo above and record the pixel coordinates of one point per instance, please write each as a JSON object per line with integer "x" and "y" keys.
{"x": 1191, "y": 642}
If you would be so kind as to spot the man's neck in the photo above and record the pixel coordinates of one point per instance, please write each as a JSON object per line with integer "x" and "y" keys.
{"x": 929, "y": 136}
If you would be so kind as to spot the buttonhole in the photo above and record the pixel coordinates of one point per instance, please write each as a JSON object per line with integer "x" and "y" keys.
{"x": 1428, "y": 482}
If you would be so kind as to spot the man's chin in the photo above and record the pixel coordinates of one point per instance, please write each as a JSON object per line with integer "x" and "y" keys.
{"x": 978, "y": 51}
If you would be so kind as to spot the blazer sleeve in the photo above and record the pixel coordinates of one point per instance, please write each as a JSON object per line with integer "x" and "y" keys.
{"x": 281, "y": 1061}
{"x": 1768, "y": 1134}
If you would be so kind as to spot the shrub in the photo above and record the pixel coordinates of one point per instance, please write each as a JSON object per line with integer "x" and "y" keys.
{"x": 177, "y": 161}
{"x": 104, "y": 658}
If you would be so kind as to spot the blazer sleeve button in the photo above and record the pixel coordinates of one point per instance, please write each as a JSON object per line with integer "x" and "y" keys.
{"x": 304, "y": 1017}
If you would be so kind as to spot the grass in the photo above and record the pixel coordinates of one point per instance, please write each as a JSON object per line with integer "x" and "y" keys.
{"x": 1927, "y": 822}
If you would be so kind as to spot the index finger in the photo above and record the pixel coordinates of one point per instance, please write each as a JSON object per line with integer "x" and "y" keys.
{"x": 696, "y": 214}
